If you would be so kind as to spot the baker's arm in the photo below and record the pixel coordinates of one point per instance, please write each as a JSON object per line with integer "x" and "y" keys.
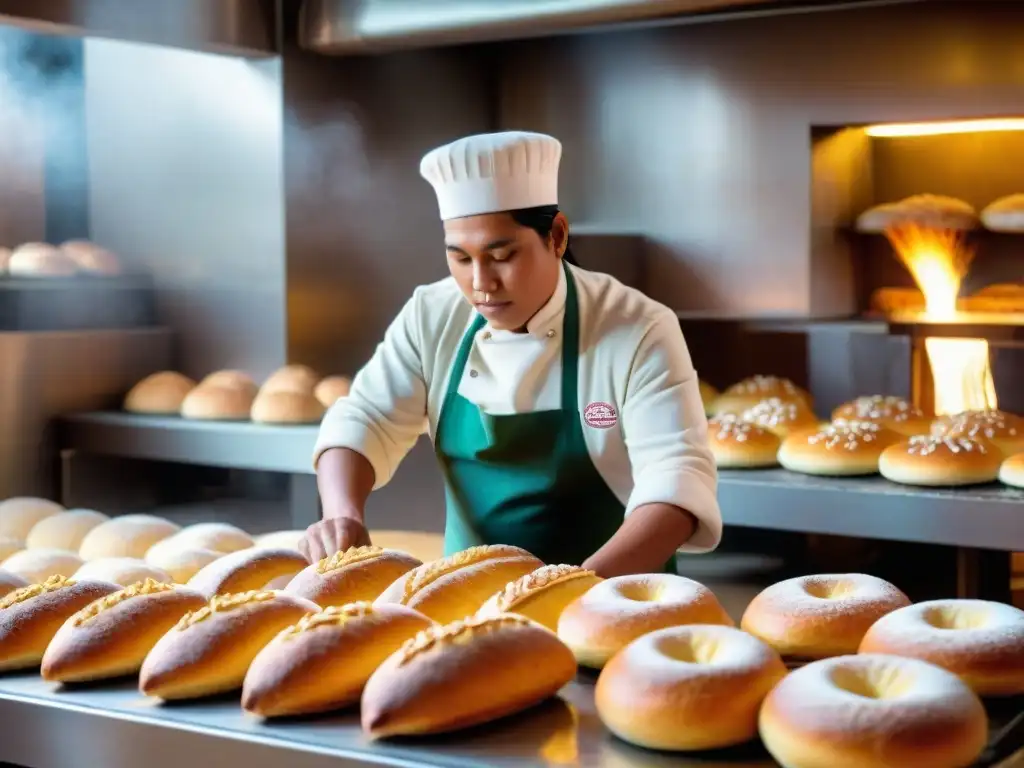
{"x": 674, "y": 503}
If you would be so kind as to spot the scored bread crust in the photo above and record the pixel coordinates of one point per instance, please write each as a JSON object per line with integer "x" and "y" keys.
{"x": 541, "y": 595}
{"x": 246, "y": 570}
{"x": 356, "y": 574}
{"x": 111, "y": 636}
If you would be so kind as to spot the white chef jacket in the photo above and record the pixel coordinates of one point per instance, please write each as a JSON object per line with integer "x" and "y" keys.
{"x": 641, "y": 411}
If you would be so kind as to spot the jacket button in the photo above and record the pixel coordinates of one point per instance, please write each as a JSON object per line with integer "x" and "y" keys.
{"x": 472, "y": 373}
{"x": 487, "y": 335}
{"x": 551, "y": 333}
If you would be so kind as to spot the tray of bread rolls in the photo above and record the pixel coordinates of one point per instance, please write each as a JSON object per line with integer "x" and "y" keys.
{"x": 145, "y": 643}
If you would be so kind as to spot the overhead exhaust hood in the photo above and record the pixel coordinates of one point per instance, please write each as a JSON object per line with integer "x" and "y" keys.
{"x": 240, "y": 27}
{"x": 340, "y": 27}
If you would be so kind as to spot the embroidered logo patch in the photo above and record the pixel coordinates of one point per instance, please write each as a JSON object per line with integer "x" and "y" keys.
{"x": 600, "y": 415}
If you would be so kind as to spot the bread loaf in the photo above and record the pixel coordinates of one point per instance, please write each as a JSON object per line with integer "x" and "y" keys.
{"x": 10, "y": 582}
{"x": 323, "y": 662}
{"x": 29, "y": 617}
{"x": 292, "y": 378}
{"x": 126, "y": 536}
{"x": 111, "y": 636}
{"x": 179, "y": 562}
{"x": 211, "y": 403}
{"x": 358, "y": 573}
{"x": 121, "y": 570}
{"x": 220, "y": 537}
{"x": 938, "y": 211}
{"x": 463, "y": 674}
{"x": 19, "y": 515}
{"x": 332, "y": 389}
{"x": 246, "y": 570}
{"x": 159, "y": 394}
{"x": 9, "y": 546}
{"x": 283, "y": 406}
{"x": 65, "y": 530}
{"x": 38, "y": 565}
{"x": 209, "y": 650}
{"x": 541, "y": 595}
{"x": 456, "y": 586}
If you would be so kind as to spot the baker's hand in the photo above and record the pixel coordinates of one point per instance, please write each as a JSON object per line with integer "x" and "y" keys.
{"x": 331, "y": 535}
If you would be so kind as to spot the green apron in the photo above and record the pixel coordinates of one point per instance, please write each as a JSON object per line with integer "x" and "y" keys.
{"x": 524, "y": 479}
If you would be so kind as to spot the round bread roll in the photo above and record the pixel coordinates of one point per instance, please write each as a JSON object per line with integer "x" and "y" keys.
{"x": 40, "y": 260}
{"x": 10, "y": 582}
{"x": 18, "y": 516}
{"x": 280, "y": 540}
{"x": 1005, "y": 214}
{"x": 1011, "y": 472}
{"x": 38, "y": 565}
{"x": 91, "y": 258}
{"x": 31, "y": 616}
{"x": 332, "y": 389}
{"x": 979, "y": 641}
{"x": 126, "y": 536}
{"x": 843, "y": 448}
{"x": 751, "y": 391}
{"x": 231, "y": 379}
{"x": 873, "y": 712}
{"x": 292, "y": 378}
{"x": 8, "y": 546}
{"x": 936, "y": 211}
{"x": 940, "y": 461}
{"x": 895, "y": 413}
{"x": 323, "y": 662}
{"x": 179, "y": 562}
{"x": 357, "y": 574}
{"x": 1003, "y": 430}
{"x": 111, "y": 636}
{"x": 284, "y": 406}
{"x": 782, "y": 417}
{"x": 738, "y": 444}
{"x": 65, "y": 530}
{"x": 220, "y": 537}
{"x": 246, "y": 570}
{"x": 708, "y": 395}
{"x": 612, "y": 614}
{"x": 814, "y": 617}
{"x": 211, "y": 403}
{"x": 159, "y": 394}
{"x": 541, "y": 595}
{"x": 456, "y": 586}
{"x": 687, "y": 688}
{"x": 463, "y": 674}
{"x": 209, "y": 650}
{"x": 124, "y": 571}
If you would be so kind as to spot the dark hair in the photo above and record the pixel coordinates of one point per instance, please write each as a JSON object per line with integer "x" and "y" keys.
{"x": 541, "y": 219}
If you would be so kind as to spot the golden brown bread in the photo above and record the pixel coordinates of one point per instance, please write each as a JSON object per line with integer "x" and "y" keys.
{"x": 111, "y": 636}
{"x": 285, "y": 406}
{"x": 209, "y": 650}
{"x": 323, "y": 662}
{"x": 940, "y": 461}
{"x": 121, "y": 570}
{"x": 895, "y": 413}
{"x": 10, "y": 582}
{"x": 159, "y": 394}
{"x": 232, "y": 379}
{"x": 328, "y": 391}
{"x": 212, "y": 403}
{"x": 357, "y": 574}
{"x": 292, "y": 378}
{"x": 463, "y": 674}
{"x": 751, "y": 391}
{"x": 541, "y": 595}
{"x": 246, "y": 570}
{"x": 455, "y": 587}
{"x": 29, "y": 617}
{"x": 739, "y": 444}
{"x": 179, "y": 562}
{"x": 842, "y": 448}
{"x": 783, "y": 417}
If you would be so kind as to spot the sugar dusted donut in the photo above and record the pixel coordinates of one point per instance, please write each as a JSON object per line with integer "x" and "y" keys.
{"x": 616, "y": 611}
{"x": 940, "y": 461}
{"x": 981, "y": 642}
{"x": 871, "y": 711}
{"x": 896, "y": 413}
{"x": 783, "y": 417}
{"x": 687, "y": 688}
{"x": 843, "y": 448}
{"x": 813, "y": 617}
{"x": 738, "y": 444}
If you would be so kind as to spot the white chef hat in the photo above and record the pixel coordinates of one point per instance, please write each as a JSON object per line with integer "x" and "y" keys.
{"x": 493, "y": 172}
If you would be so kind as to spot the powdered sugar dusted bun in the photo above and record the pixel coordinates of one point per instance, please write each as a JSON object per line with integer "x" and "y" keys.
{"x": 1005, "y": 214}
{"x": 292, "y": 378}
{"x": 1004, "y": 430}
{"x": 231, "y": 379}
{"x": 938, "y": 211}
{"x": 455, "y": 587}
{"x": 220, "y": 537}
{"x": 738, "y": 444}
{"x": 280, "y": 540}
{"x": 781, "y": 416}
{"x": 37, "y": 565}
{"x": 687, "y": 688}
{"x": 981, "y": 642}
{"x": 29, "y": 617}
{"x": 873, "y": 711}
{"x": 1011, "y": 471}
{"x": 615, "y": 612}
{"x": 541, "y": 595}
{"x": 19, "y": 515}
{"x": 463, "y": 674}
{"x": 940, "y": 461}
{"x": 246, "y": 570}
{"x": 343, "y": 644}
{"x": 813, "y": 617}
{"x": 357, "y": 574}
{"x": 8, "y": 546}
{"x": 328, "y": 391}
{"x": 842, "y": 448}
{"x": 111, "y": 636}
{"x": 65, "y": 530}
{"x": 209, "y": 650}
{"x": 179, "y": 562}
{"x": 896, "y": 413}
{"x": 210, "y": 403}
{"x": 121, "y": 570}
{"x": 751, "y": 391}
{"x": 126, "y": 536}
{"x": 10, "y": 582}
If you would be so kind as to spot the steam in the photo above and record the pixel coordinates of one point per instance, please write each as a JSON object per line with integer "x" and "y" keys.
{"x": 331, "y": 158}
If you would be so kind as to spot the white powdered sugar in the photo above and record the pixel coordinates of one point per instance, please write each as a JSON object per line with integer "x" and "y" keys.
{"x": 926, "y": 445}
{"x": 983, "y": 424}
{"x": 884, "y": 407}
{"x": 678, "y": 654}
{"x": 941, "y": 627}
{"x": 729, "y": 426}
{"x": 830, "y": 595}
{"x": 773, "y": 411}
{"x": 843, "y": 435}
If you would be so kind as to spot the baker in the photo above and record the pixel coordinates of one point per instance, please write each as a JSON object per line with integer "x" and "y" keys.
{"x": 563, "y": 406}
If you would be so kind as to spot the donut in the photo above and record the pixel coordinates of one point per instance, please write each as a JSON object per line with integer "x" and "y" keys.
{"x": 738, "y": 444}
{"x": 940, "y": 461}
{"x": 979, "y": 641}
{"x": 1011, "y": 471}
{"x": 873, "y": 711}
{"x": 1004, "y": 430}
{"x": 814, "y": 617}
{"x": 616, "y": 611}
{"x": 687, "y": 688}
{"x": 750, "y": 391}
{"x": 843, "y": 448}
{"x": 782, "y": 417}
{"x": 896, "y": 413}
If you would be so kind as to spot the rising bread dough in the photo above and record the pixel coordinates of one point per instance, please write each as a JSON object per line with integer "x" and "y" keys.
{"x": 126, "y": 536}
{"x": 181, "y": 563}
{"x": 65, "y": 530}
{"x": 124, "y": 571}
{"x": 38, "y": 565}
{"x": 160, "y": 393}
{"x": 19, "y": 515}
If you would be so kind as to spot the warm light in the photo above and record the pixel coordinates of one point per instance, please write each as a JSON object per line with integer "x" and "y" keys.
{"x": 951, "y": 126}
{"x": 962, "y": 375}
